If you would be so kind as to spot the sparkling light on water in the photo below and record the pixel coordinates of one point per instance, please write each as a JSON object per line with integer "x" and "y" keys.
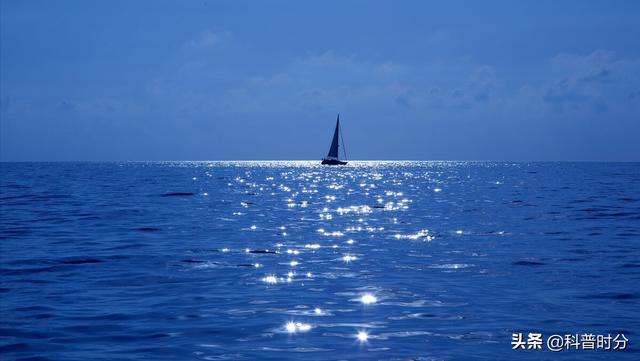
{"x": 348, "y": 258}
{"x": 293, "y": 327}
{"x": 408, "y": 242}
{"x": 271, "y": 279}
{"x": 368, "y": 299}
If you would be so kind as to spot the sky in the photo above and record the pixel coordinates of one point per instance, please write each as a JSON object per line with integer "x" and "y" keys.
{"x": 244, "y": 80}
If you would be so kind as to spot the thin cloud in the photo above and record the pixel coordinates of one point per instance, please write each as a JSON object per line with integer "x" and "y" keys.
{"x": 594, "y": 82}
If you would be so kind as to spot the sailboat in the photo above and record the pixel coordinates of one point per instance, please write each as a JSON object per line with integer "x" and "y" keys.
{"x": 332, "y": 157}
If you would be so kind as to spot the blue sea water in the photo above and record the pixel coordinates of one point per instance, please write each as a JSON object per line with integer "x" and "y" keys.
{"x": 292, "y": 260}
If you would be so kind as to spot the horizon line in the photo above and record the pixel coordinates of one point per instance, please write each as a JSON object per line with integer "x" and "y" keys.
{"x": 315, "y": 160}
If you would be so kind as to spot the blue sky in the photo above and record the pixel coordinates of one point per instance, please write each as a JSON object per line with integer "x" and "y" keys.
{"x": 198, "y": 80}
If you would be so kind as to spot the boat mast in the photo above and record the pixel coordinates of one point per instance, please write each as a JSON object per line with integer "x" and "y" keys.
{"x": 344, "y": 148}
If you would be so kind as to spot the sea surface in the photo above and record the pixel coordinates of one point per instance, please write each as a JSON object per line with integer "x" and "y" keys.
{"x": 293, "y": 260}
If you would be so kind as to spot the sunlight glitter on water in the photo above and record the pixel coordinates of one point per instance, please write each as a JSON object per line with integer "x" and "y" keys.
{"x": 349, "y": 258}
{"x": 423, "y": 233}
{"x": 271, "y": 279}
{"x": 293, "y": 327}
{"x": 403, "y": 256}
{"x": 368, "y": 299}
{"x": 362, "y": 336}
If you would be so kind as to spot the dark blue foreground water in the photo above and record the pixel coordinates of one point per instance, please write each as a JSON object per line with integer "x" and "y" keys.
{"x": 273, "y": 260}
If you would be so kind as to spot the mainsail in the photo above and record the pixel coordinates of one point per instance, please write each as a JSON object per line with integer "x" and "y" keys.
{"x": 332, "y": 157}
{"x": 333, "y": 151}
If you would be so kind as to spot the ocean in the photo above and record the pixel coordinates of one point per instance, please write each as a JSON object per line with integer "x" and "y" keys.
{"x": 293, "y": 260}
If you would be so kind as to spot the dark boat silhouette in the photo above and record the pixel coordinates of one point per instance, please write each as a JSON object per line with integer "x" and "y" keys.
{"x": 332, "y": 157}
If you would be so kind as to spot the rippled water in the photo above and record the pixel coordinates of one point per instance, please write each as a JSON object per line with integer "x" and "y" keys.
{"x": 291, "y": 260}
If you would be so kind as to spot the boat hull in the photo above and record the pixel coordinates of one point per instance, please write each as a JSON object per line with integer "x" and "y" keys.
{"x": 333, "y": 162}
